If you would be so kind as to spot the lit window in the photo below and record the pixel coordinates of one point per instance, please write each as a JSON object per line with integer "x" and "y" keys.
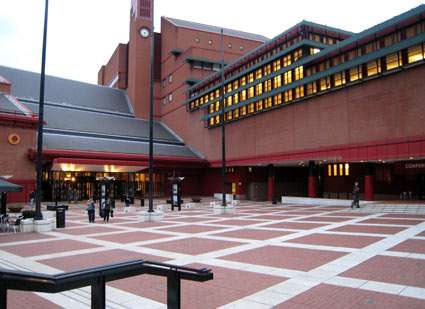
{"x": 243, "y": 95}
{"x": 373, "y": 67}
{"x": 287, "y": 77}
{"x": 217, "y": 119}
{"x": 229, "y": 87}
{"x": 212, "y": 96}
{"x": 243, "y": 81}
{"x": 335, "y": 169}
{"x": 298, "y": 54}
{"x": 329, "y": 170}
{"x": 276, "y": 65}
{"x": 299, "y": 73}
{"x": 415, "y": 53}
{"x": 258, "y": 89}
{"x": 250, "y": 92}
{"x": 341, "y": 169}
{"x": 355, "y": 74}
{"x": 314, "y": 50}
{"x": 311, "y": 88}
{"x": 235, "y": 84}
{"x": 339, "y": 79}
{"x": 211, "y": 108}
{"x": 201, "y": 101}
{"x": 251, "y": 108}
{"x": 393, "y": 61}
{"x": 229, "y": 115}
{"x": 236, "y": 98}
{"x": 277, "y": 99}
{"x": 288, "y": 95}
{"x": 250, "y": 77}
{"x": 229, "y": 100}
{"x": 170, "y": 97}
{"x": 267, "y": 69}
{"x": 268, "y": 85}
{"x": 206, "y": 98}
{"x": 217, "y": 93}
{"x": 277, "y": 82}
{"x": 268, "y": 102}
{"x": 287, "y": 60}
{"x": 236, "y": 113}
{"x": 258, "y": 74}
{"x": 217, "y": 106}
{"x": 259, "y": 105}
{"x": 325, "y": 83}
{"x": 299, "y": 92}
{"x": 243, "y": 110}
{"x": 170, "y": 78}
{"x": 347, "y": 169}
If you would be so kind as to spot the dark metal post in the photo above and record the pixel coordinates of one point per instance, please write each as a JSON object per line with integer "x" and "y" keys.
{"x": 223, "y": 129}
{"x": 151, "y": 115}
{"x": 98, "y": 296}
{"x": 173, "y": 290}
{"x": 3, "y": 294}
{"x": 3, "y": 202}
{"x": 38, "y": 215}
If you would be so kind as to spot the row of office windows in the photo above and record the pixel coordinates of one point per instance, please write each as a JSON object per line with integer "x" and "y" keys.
{"x": 386, "y": 64}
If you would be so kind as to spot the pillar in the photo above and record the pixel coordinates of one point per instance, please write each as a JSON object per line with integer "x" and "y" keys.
{"x": 3, "y": 197}
{"x": 312, "y": 180}
{"x": 270, "y": 191}
{"x": 369, "y": 192}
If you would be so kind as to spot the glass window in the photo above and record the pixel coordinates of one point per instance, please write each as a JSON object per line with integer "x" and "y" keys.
{"x": 236, "y": 98}
{"x": 258, "y": 89}
{"x": 299, "y": 73}
{"x": 393, "y": 61}
{"x": 250, "y": 77}
{"x": 277, "y": 99}
{"x": 267, "y": 69}
{"x": 288, "y": 95}
{"x": 287, "y": 60}
{"x": 228, "y": 87}
{"x": 335, "y": 169}
{"x": 250, "y": 92}
{"x": 268, "y": 85}
{"x": 277, "y": 82}
{"x": 235, "y": 85}
{"x": 211, "y": 108}
{"x": 355, "y": 74}
{"x": 314, "y": 50}
{"x": 211, "y": 96}
{"x": 217, "y": 106}
{"x": 217, "y": 93}
{"x": 311, "y": 88}
{"x": 251, "y": 108}
{"x": 339, "y": 79}
{"x": 259, "y": 105}
{"x": 347, "y": 169}
{"x": 211, "y": 121}
{"x": 287, "y": 77}
{"x": 206, "y": 98}
{"x": 392, "y": 39}
{"x": 243, "y": 110}
{"x": 276, "y": 65}
{"x": 268, "y": 102}
{"x": 243, "y": 95}
{"x": 229, "y": 115}
{"x": 243, "y": 81}
{"x": 236, "y": 113}
{"x": 201, "y": 101}
{"x": 299, "y": 92}
{"x": 258, "y": 74}
{"x": 373, "y": 67}
{"x": 298, "y": 54}
{"x": 325, "y": 83}
{"x": 415, "y": 53}
{"x": 229, "y": 100}
{"x": 329, "y": 170}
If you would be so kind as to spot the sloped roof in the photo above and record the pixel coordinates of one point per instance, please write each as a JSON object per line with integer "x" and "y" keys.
{"x": 7, "y": 106}
{"x": 214, "y": 29}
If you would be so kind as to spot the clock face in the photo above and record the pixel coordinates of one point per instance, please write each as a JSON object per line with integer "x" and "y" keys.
{"x": 144, "y": 32}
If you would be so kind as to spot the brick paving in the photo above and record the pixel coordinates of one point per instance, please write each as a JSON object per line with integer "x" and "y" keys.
{"x": 262, "y": 256}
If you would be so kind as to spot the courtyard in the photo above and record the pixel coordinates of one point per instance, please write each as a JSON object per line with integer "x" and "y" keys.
{"x": 262, "y": 256}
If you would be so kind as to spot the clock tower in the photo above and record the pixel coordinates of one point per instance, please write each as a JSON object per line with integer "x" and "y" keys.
{"x": 141, "y": 32}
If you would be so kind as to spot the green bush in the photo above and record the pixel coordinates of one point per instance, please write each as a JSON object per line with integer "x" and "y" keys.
{"x": 28, "y": 214}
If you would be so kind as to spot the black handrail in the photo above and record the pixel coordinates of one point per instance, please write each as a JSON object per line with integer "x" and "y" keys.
{"x": 97, "y": 277}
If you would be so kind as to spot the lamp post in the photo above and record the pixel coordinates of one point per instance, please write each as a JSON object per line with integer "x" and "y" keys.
{"x": 152, "y": 50}
{"x": 223, "y": 129}
{"x": 38, "y": 214}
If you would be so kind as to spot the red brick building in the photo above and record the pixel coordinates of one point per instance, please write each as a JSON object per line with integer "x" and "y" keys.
{"x": 307, "y": 113}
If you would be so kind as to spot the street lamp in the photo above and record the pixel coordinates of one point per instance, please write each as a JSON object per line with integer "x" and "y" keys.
{"x": 152, "y": 50}
{"x": 38, "y": 214}
{"x": 223, "y": 129}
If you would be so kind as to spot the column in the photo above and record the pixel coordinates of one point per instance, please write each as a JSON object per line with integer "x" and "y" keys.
{"x": 369, "y": 194}
{"x": 312, "y": 179}
{"x": 270, "y": 191}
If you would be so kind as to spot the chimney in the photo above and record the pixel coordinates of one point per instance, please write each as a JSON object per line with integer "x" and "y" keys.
{"x": 5, "y": 85}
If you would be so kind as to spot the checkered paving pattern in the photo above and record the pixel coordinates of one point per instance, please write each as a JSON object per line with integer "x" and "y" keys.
{"x": 262, "y": 256}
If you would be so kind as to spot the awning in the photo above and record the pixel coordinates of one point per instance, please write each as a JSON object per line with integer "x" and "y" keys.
{"x": 6, "y": 186}
{"x": 96, "y": 165}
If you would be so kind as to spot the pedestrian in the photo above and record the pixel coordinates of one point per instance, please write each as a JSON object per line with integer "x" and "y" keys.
{"x": 356, "y": 195}
{"x": 32, "y": 199}
{"x": 91, "y": 210}
{"x": 106, "y": 211}
{"x": 112, "y": 200}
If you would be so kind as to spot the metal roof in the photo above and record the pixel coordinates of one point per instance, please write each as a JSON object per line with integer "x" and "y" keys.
{"x": 26, "y": 85}
{"x": 7, "y": 106}
{"x": 214, "y": 29}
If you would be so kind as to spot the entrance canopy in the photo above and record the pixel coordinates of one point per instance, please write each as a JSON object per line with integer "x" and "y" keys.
{"x": 92, "y": 165}
{"x": 6, "y": 186}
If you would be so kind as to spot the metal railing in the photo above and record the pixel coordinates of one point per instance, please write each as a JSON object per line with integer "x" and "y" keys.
{"x": 98, "y": 276}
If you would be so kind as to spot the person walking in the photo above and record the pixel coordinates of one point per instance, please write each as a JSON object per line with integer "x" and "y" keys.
{"x": 91, "y": 210}
{"x": 106, "y": 211}
{"x": 356, "y": 195}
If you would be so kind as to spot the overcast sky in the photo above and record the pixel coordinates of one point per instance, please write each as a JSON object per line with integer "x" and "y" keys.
{"x": 83, "y": 33}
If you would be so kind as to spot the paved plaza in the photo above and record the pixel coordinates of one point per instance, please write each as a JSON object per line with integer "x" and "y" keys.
{"x": 262, "y": 256}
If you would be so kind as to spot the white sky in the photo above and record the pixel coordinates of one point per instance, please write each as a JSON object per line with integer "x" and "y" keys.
{"x": 83, "y": 33}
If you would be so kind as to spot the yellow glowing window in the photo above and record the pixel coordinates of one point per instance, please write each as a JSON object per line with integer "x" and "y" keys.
{"x": 311, "y": 88}
{"x": 325, "y": 83}
{"x": 250, "y": 77}
{"x": 299, "y": 92}
{"x": 329, "y": 170}
{"x": 211, "y": 108}
{"x": 258, "y": 74}
{"x": 276, "y": 65}
{"x": 355, "y": 74}
{"x": 339, "y": 79}
{"x": 288, "y": 95}
{"x": 236, "y": 113}
{"x": 243, "y": 95}
{"x": 251, "y": 108}
{"x": 299, "y": 72}
{"x": 347, "y": 169}
{"x": 415, "y": 53}
{"x": 217, "y": 119}
{"x": 212, "y": 96}
{"x": 243, "y": 110}
{"x": 217, "y": 106}
{"x": 393, "y": 61}
{"x": 229, "y": 115}
{"x": 206, "y": 98}
{"x": 335, "y": 169}
{"x": 250, "y": 92}
{"x": 298, "y": 54}
{"x": 268, "y": 85}
{"x": 277, "y": 99}
{"x": 229, "y": 101}
{"x": 258, "y": 89}
{"x": 228, "y": 87}
{"x": 217, "y": 93}
{"x": 236, "y": 98}
{"x": 259, "y": 105}
{"x": 341, "y": 169}
{"x": 314, "y": 50}
{"x": 211, "y": 121}
{"x": 197, "y": 103}
{"x": 235, "y": 84}
{"x": 373, "y": 67}
{"x": 243, "y": 81}
{"x": 192, "y": 104}
{"x": 287, "y": 60}
{"x": 268, "y": 102}
{"x": 201, "y": 101}
{"x": 287, "y": 77}
{"x": 267, "y": 69}
{"x": 277, "y": 82}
